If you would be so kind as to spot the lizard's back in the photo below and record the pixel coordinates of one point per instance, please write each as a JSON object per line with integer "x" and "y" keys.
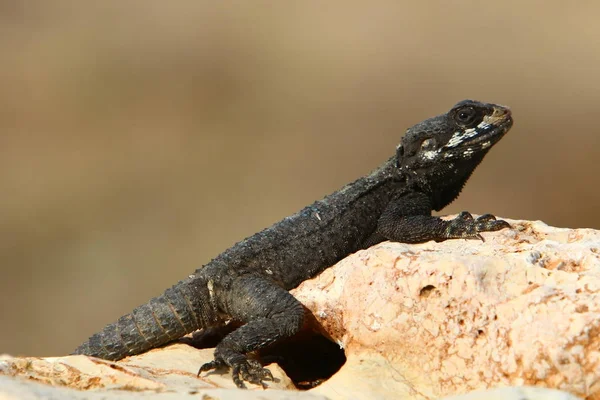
{"x": 304, "y": 244}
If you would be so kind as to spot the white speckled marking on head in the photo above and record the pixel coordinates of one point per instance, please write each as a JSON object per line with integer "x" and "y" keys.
{"x": 431, "y": 154}
{"x": 483, "y": 124}
{"x": 460, "y": 136}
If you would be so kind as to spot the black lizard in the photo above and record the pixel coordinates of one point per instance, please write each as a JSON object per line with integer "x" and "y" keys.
{"x": 249, "y": 282}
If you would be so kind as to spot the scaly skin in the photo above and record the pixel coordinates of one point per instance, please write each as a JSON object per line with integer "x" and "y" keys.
{"x": 249, "y": 282}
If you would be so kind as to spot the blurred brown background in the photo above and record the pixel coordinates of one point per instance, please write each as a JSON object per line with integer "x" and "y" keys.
{"x": 140, "y": 138}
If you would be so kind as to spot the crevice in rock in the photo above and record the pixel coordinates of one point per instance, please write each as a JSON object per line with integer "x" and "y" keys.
{"x": 426, "y": 291}
{"x": 308, "y": 358}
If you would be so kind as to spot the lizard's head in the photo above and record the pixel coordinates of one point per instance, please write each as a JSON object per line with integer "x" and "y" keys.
{"x": 443, "y": 151}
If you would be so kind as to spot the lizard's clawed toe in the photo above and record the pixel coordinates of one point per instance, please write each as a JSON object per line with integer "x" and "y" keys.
{"x": 214, "y": 364}
{"x": 465, "y": 216}
{"x": 485, "y": 218}
{"x": 245, "y": 370}
{"x": 251, "y": 371}
{"x": 465, "y": 227}
{"x": 489, "y": 223}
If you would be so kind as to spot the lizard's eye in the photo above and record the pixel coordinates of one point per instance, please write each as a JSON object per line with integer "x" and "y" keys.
{"x": 465, "y": 116}
{"x": 428, "y": 144}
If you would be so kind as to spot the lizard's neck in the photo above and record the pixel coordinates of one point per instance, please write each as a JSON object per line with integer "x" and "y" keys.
{"x": 443, "y": 184}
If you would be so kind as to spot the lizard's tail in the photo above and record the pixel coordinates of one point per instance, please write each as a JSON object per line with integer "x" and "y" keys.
{"x": 179, "y": 310}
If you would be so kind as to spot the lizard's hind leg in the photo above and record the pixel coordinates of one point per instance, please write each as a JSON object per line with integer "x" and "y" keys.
{"x": 269, "y": 312}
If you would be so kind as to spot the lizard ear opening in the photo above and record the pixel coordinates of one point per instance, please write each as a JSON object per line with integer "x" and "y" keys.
{"x": 399, "y": 154}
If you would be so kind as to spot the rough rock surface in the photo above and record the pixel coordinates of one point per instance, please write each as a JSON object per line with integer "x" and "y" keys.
{"x": 437, "y": 319}
{"x": 416, "y": 322}
{"x": 168, "y": 373}
{"x": 515, "y": 393}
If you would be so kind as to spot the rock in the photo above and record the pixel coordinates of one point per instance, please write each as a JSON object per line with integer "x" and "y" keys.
{"x": 515, "y": 393}
{"x": 416, "y": 321}
{"x": 438, "y": 319}
{"x": 167, "y": 373}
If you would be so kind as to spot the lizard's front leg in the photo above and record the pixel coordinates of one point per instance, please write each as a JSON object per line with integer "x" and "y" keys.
{"x": 269, "y": 312}
{"x": 408, "y": 219}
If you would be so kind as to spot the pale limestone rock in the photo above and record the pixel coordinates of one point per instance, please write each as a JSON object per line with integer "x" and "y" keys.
{"x": 437, "y": 319}
{"x": 168, "y": 373}
{"x": 417, "y": 322}
{"x": 515, "y": 393}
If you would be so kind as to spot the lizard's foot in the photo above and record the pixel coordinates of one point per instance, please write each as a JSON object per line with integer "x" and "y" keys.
{"x": 241, "y": 370}
{"x": 251, "y": 371}
{"x": 489, "y": 223}
{"x": 464, "y": 226}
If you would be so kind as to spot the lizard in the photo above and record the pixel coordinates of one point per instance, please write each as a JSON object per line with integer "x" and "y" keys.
{"x": 248, "y": 283}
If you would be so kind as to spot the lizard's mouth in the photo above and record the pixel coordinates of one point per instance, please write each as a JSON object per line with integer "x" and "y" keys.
{"x": 489, "y": 131}
{"x": 499, "y": 127}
